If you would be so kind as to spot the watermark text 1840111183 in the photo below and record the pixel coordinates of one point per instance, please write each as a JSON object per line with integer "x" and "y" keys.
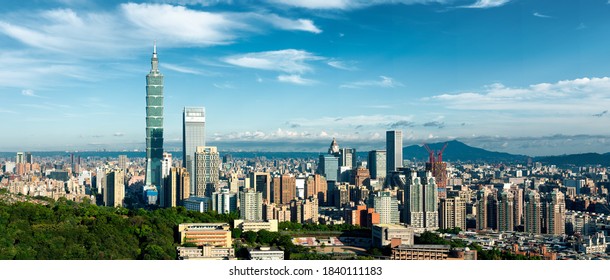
{"x": 327, "y": 270}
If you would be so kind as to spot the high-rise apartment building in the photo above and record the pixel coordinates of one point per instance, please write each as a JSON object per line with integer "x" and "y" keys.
{"x": 316, "y": 186}
{"x": 176, "y": 188}
{"x": 123, "y": 162}
{"x": 421, "y": 200}
{"x": 154, "y": 122}
{"x": 193, "y": 136}
{"x": 452, "y": 213}
{"x": 304, "y": 210}
{"x": 114, "y": 187}
{"x": 288, "y": 188}
{"x": 377, "y": 164}
{"x": 481, "y": 206}
{"x": 251, "y": 205}
{"x": 224, "y": 202}
{"x": 387, "y": 207}
{"x": 394, "y": 150}
{"x": 506, "y": 210}
{"x": 518, "y": 205}
{"x": 556, "y": 216}
{"x": 207, "y": 170}
{"x": 533, "y": 214}
{"x": 166, "y": 165}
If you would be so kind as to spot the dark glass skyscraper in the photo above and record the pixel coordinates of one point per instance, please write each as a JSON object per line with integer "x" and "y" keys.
{"x": 154, "y": 122}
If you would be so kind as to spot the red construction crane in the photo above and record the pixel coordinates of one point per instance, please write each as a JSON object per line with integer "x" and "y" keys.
{"x": 435, "y": 156}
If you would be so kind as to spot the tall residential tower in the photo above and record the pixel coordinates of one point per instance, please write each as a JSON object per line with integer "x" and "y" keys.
{"x": 154, "y": 122}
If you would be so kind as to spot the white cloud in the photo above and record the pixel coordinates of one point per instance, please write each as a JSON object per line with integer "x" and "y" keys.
{"x": 295, "y": 79}
{"x": 578, "y": 95}
{"x": 180, "y": 69}
{"x": 347, "y": 4}
{"x": 289, "y": 60}
{"x": 342, "y": 65}
{"x": 385, "y": 82}
{"x": 536, "y": 14}
{"x": 28, "y": 92}
{"x": 484, "y": 4}
{"x": 286, "y": 23}
{"x": 180, "y": 24}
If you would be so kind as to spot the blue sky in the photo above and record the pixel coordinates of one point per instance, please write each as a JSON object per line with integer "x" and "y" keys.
{"x": 528, "y": 77}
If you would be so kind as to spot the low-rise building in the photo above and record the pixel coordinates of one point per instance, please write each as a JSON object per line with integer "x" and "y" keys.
{"x": 271, "y": 225}
{"x": 594, "y": 244}
{"x": 199, "y": 204}
{"x": 384, "y": 234}
{"x": 206, "y": 253}
{"x": 266, "y": 254}
{"x": 420, "y": 252}
{"x": 215, "y": 234}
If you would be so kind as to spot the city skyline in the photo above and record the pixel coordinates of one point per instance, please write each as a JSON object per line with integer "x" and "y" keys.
{"x": 512, "y": 76}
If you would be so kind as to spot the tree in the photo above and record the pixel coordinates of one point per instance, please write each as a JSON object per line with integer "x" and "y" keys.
{"x": 250, "y": 236}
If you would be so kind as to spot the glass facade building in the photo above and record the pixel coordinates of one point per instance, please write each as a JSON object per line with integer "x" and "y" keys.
{"x": 154, "y": 122}
{"x": 193, "y": 125}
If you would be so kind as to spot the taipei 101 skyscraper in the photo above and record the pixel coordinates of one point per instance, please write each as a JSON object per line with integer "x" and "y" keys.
{"x": 154, "y": 123}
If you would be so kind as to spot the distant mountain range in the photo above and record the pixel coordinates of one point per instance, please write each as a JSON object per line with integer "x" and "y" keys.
{"x": 455, "y": 151}
{"x": 458, "y": 151}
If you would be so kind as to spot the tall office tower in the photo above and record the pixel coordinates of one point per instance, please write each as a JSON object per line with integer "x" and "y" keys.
{"x": 154, "y": 122}
{"x": 359, "y": 195}
{"x": 394, "y": 150}
{"x": 114, "y": 188}
{"x": 207, "y": 170}
{"x": 387, "y": 207}
{"x": 224, "y": 202}
{"x": 377, "y": 164}
{"x": 123, "y": 162}
{"x": 276, "y": 190}
{"x": 421, "y": 200}
{"x": 251, "y": 205}
{"x": 533, "y": 212}
{"x": 166, "y": 165}
{"x": 347, "y": 157}
{"x": 193, "y": 136}
{"x": 518, "y": 205}
{"x": 288, "y": 188}
{"x": 28, "y": 158}
{"x": 316, "y": 186}
{"x": 328, "y": 166}
{"x": 261, "y": 182}
{"x": 556, "y": 213}
{"x": 506, "y": 209}
{"x": 176, "y": 187}
{"x": 452, "y": 213}
{"x": 19, "y": 158}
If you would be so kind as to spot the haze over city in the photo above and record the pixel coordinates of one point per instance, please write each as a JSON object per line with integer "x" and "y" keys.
{"x": 526, "y": 77}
